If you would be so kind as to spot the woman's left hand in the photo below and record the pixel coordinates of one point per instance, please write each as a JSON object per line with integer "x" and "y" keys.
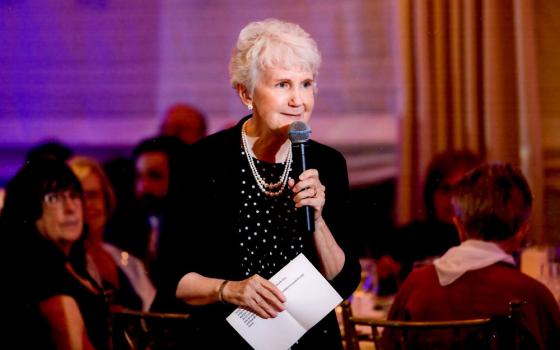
{"x": 309, "y": 191}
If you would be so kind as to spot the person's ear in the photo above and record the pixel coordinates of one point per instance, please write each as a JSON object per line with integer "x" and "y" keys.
{"x": 460, "y": 228}
{"x": 522, "y": 234}
{"x": 244, "y": 95}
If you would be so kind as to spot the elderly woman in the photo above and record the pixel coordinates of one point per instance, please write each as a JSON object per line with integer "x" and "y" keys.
{"x": 234, "y": 222}
{"x": 122, "y": 273}
{"x": 53, "y": 302}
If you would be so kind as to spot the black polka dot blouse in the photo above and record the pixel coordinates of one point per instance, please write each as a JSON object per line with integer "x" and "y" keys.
{"x": 267, "y": 226}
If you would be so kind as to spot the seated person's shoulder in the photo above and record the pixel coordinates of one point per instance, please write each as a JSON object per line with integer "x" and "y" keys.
{"x": 528, "y": 288}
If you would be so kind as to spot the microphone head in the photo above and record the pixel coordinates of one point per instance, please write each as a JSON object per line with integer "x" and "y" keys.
{"x": 299, "y": 132}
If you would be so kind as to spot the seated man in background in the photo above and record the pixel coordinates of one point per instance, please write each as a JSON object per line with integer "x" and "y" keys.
{"x": 137, "y": 230}
{"x": 185, "y": 122}
{"x": 478, "y": 278}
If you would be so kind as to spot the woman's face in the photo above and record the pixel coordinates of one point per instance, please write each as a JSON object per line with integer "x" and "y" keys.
{"x": 282, "y": 96}
{"x": 61, "y": 221}
{"x": 442, "y": 197}
{"x": 95, "y": 206}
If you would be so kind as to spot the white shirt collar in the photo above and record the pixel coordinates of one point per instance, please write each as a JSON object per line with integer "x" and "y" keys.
{"x": 470, "y": 255}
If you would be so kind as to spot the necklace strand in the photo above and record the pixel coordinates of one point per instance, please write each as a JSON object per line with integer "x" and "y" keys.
{"x": 269, "y": 189}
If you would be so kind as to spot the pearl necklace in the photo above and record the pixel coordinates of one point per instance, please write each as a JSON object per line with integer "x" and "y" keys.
{"x": 269, "y": 189}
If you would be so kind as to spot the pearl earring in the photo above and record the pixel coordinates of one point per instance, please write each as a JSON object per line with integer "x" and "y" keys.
{"x": 250, "y": 106}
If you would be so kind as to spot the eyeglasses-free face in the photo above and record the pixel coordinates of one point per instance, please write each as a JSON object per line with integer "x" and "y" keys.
{"x": 62, "y": 218}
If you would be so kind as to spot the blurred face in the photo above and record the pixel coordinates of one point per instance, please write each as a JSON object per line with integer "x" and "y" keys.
{"x": 61, "y": 221}
{"x": 95, "y": 206}
{"x": 2, "y": 196}
{"x": 152, "y": 175}
{"x": 280, "y": 97}
{"x": 442, "y": 197}
{"x": 188, "y": 127}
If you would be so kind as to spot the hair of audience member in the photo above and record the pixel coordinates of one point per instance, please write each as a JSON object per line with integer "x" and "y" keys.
{"x": 187, "y": 112}
{"x": 84, "y": 166}
{"x": 271, "y": 44}
{"x": 493, "y": 201}
{"x": 170, "y": 145}
{"x": 25, "y": 193}
{"x": 49, "y": 150}
{"x": 120, "y": 172}
{"x": 441, "y": 167}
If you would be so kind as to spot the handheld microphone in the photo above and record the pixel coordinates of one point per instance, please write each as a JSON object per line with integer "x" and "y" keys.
{"x": 299, "y": 136}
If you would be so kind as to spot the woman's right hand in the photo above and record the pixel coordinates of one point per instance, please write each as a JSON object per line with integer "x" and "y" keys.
{"x": 255, "y": 294}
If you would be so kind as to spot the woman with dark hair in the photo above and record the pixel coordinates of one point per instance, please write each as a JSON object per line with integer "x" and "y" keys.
{"x": 54, "y": 303}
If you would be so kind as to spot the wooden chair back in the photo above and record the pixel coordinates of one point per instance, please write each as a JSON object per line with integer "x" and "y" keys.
{"x": 499, "y": 332}
{"x": 139, "y": 330}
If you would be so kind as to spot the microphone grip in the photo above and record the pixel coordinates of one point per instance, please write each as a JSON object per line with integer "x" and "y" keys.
{"x": 308, "y": 218}
{"x": 299, "y": 164}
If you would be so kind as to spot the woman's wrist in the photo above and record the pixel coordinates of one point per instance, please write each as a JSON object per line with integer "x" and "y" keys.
{"x": 319, "y": 221}
{"x": 221, "y": 291}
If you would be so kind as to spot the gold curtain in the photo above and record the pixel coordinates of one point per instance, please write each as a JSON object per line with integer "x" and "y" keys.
{"x": 469, "y": 81}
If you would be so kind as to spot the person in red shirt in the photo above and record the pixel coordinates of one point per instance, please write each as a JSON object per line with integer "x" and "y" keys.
{"x": 478, "y": 278}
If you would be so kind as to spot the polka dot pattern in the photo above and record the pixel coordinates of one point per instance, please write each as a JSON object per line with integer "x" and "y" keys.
{"x": 267, "y": 226}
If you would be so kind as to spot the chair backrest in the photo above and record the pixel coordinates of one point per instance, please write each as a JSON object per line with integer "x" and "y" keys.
{"x": 483, "y": 333}
{"x": 138, "y": 330}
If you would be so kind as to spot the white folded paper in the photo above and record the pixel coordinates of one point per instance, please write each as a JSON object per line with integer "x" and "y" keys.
{"x": 309, "y": 298}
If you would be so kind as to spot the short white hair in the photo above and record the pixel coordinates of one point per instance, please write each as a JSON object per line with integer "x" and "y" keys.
{"x": 271, "y": 44}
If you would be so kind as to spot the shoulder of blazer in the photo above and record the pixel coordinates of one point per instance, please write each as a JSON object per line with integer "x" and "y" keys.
{"x": 326, "y": 157}
{"x": 217, "y": 150}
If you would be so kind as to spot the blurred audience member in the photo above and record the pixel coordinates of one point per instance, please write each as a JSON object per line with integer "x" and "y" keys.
{"x": 185, "y": 122}
{"x": 421, "y": 241}
{"x": 49, "y": 150}
{"x": 120, "y": 172}
{"x": 2, "y": 197}
{"x": 52, "y": 300}
{"x": 478, "y": 278}
{"x": 155, "y": 162}
{"x": 120, "y": 271}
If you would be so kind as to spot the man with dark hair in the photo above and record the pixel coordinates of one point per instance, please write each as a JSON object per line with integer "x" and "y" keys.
{"x": 154, "y": 159}
{"x": 137, "y": 230}
{"x": 478, "y": 278}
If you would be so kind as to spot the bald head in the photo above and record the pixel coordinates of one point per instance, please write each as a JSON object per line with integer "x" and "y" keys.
{"x": 185, "y": 122}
